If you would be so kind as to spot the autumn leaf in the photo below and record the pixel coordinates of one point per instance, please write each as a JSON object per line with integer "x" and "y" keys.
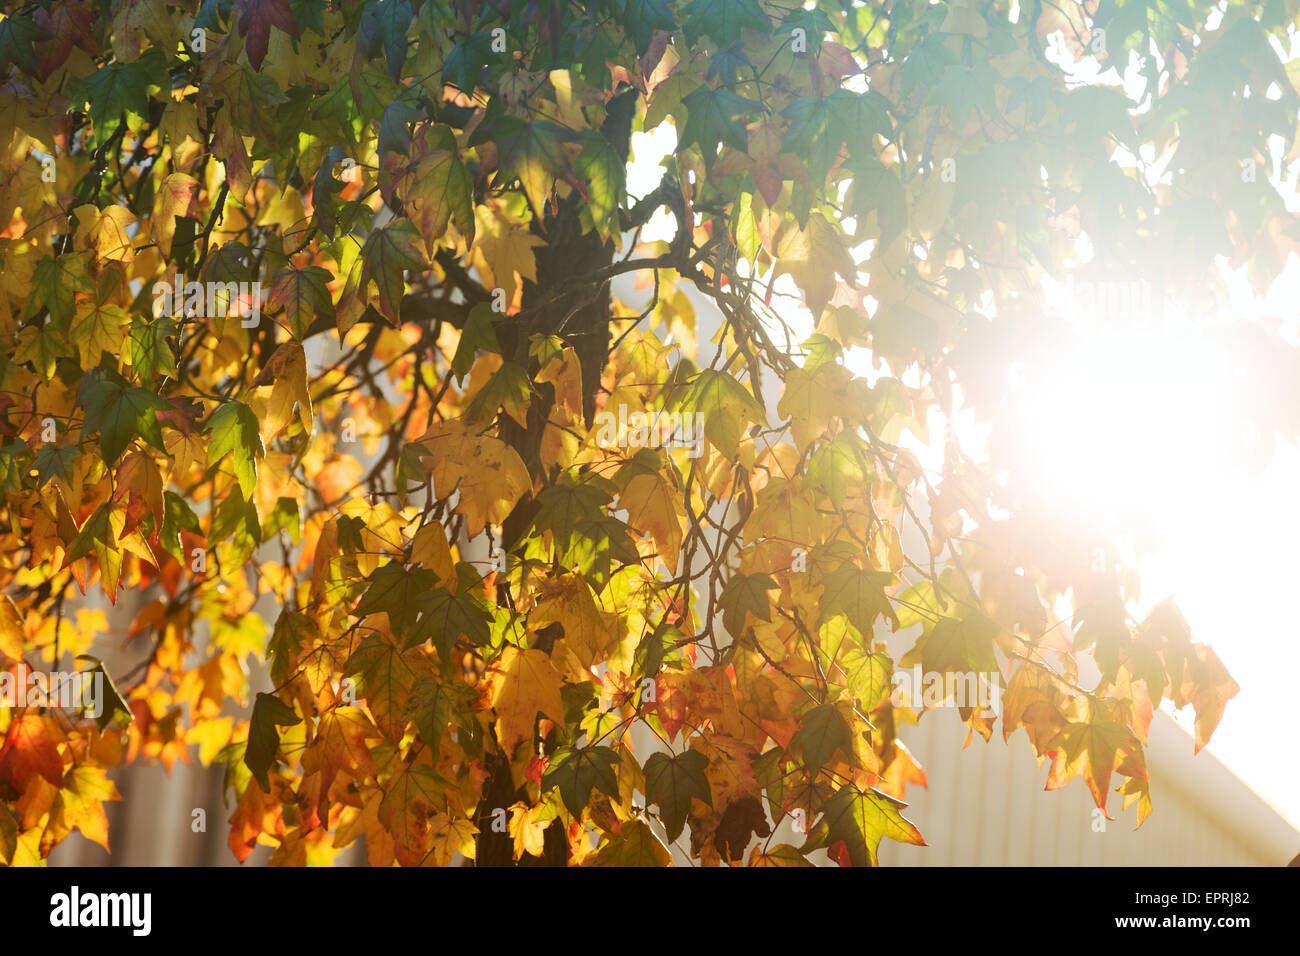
{"x": 726, "y": 407}
{"x": 743, "y": 596}
{"x": 1094, "y": 747}
{"x": 120, "y": 413}
{"x": 80, "y": 806}
{"x": 263, "y": 738}
{"x": 673, "y": 782}
{"x": 386, "y": 256}
{"x": 410, "y": 800}
{"x": 636, "y": 845}
{"x": 577, "y": 771}
{"x": 568, "y": 602}
{"x": 234, "y": 430}
{"x": 255, "y": 22}
{"x": 861, "y": 819}
{"x": 340, "y": 744}
{"x": 489, "y": 475}
{"x": 31, "y": 749}
{"x": 783, "y": 854}
{"x": 652, "y": 504}
{"x": 176, "y": 198}
{"x": 303, "y": 295}
{"x": 524, "y": 684}
{"x": 822, "y": 731}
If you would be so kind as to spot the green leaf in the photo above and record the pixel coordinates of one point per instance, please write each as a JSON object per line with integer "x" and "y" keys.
{"x": 385, "y": 257}
{"x": 509, "y": 388}
{"x": 396, "y": 590}
{"x": 435, "y": 704}
{"x": 585, "y": 536}
{"x": 602, "y": 172}
{"x": 263, "y": 738}
{"x": 746, "y": 593}
{"x": 466, "y": 60}
{"x": 118, "y": 88}
{"x": 53, "y": 285}
{"x": 147, "y": 346}
{"x": 711, "y": 120}
{"x": 822, "y": 731}
{"x": 859, "y": 594}
{"x": 641, "y": 18}
{"x": 177, "y": 517}
{"x": 95, "y": 532}
{"x": 112, "y": 706}
{"x": 862, "y": 819}
{"x": 635, "y": 846}
{"x": 283, "y": 517}
{"x": 18, "y": 36}
{"x": 835, "y": 466}
{"x": 819, "y": 125}
{"x": 303, "y": 295}
{"x": 869, "y": 676}
{"x": 478, "y": 334}
{"x": 722, "y": 20}
{"x": 440, "y": 189}
{"x": 959, "y": 645}
{"x": 235, "y": 432}
{"x": 877, "y": 187}
{"x": 727, "y": 408}
{"x": 386, "y": 23}
{"x": 55, "y": 461}
{"x": 236, "y": 518}
{"x": 544, "y": 348}
{"x": 672, "y": 782}
{"x": 120, "y": 412}
{"x": 532, "y": 152}
{"x": 42, "y": 346}
{"x": 293, "y": 630}
{"x": 576, "y": 771}
{"x": 445, "y": 618}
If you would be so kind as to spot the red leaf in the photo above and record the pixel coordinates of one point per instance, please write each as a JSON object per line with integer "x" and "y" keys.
{"x": 256, "y": 22}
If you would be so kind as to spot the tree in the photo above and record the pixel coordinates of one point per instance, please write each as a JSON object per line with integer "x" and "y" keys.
{"x": 312, "y": 302}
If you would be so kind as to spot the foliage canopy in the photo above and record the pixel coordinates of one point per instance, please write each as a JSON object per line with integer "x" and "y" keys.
{"x": 476, "y": 597}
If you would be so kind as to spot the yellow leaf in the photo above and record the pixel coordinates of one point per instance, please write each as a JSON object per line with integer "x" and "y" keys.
{"x": 813, "y": 256}
{"x": 653, "y": 505}
{"x": 568, "y": 602}
{"x": 98, "y": 328}
{"x": 175, "y": 197}
{"x": 80, "y": 806}
{"x": 12, "y": 635}
{"x": 106, "y": 233}
{"x": 139, "y": 475}
{"x": 489, "y": 474}
{"x": 430, "y": 548}
{"x": 503, "y": 250}
{"x": 523, "y": 683}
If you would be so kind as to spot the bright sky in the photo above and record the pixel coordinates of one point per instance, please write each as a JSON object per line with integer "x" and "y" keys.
{"x": 1228, "y": 535}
